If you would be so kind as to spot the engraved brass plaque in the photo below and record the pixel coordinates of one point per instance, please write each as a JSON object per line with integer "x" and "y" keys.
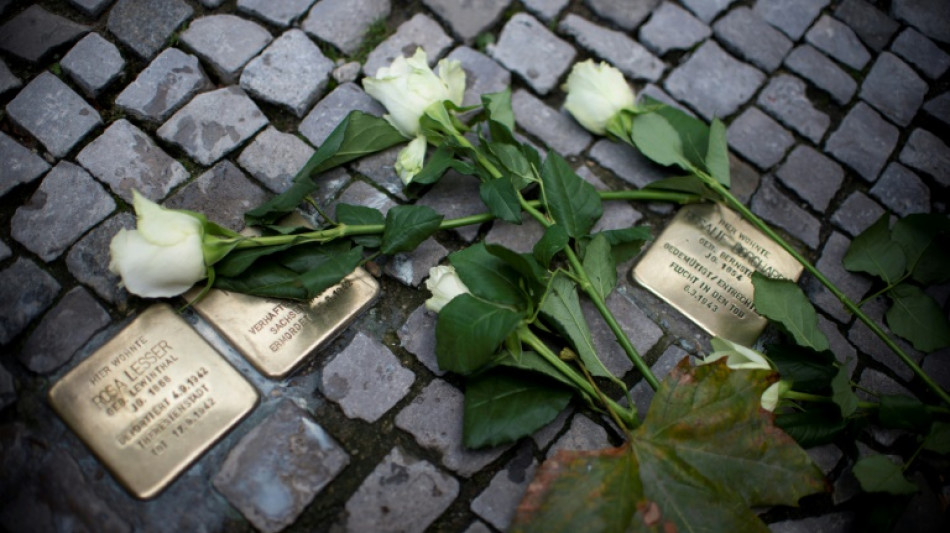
{"x": 276, "y": 335}
{"x": 702, "y": 265}
{"x": 152, "y": 400}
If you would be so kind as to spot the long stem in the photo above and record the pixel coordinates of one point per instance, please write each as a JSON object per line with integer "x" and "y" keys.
{"x": 816, "y": 398}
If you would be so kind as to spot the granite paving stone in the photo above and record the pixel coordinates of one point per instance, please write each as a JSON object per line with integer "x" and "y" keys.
{"x": 145, "y": 25}
{"x": 281, "y": 13}
{"x": 863, "y": 141}
{"x": 927, "y": 153}
{"x": 746, "y": 34}
{"x": 939, "y": 107}
{"x": 324, "y": 117}
{"x": 856, "y": 213}
{"x": 347, "y": 72}
{"x": 532, "y": 52}
{"x": 20, "y": 165}
{"x": 167, "y": 83}
{"x": 343, "y": 23}
{"x": 35, "y": 32}
{"x": 545, "y": 9}
{"x": 25, "y": 292}
{"x": 641, "y": 393}
{"x": 434, "y": 419}
{"x": 922, "y": 53}
{"x": 823, "y": 524}
{"x": 629, "y": 56}
{"x": 617, "y": 215}
{"x": 759, "y": 138}
{"x": 813, "y": 176}
{"x": 468, "y": 19}
{"x": 421, "y": 31}
{"x": 402, "y": 494}
{"x": 411, "y": 267}
{"x": 627, "y": 15}
{"x": 417, "y": 336}
{"x": 362, "y": 193}
{"x": 68, "y": 202}
{"x": 226, "y": 42}
{"x": 63, "y": 331}
{"x": 793, "y": 18}
{"x": 381, "y": 168}
{"x": 8, "y": 80}
{"x": 672, "y": 28}
{"x": 870, "y": 344}
{"x": 785, "y": 99}
{"x": 713, "y": 82}
{"x": 626, "y": 163}
{"x": 91, "y": 7}
{"x": 894, "y": 89}
{"x": 211, "y": 3}
{"x": 223, "y": 193}
{"x": 5, "y": 251}
{"x": 274, "y": 158}
{"x": 277, "y": 469}
{"x": 499, "y": 501}
{"x": 7, "y": 388}
{"x": 745, "y": 179}
{"x": 88, "y": 260}
{"x": 776, "y": 208}
{"x": 482, "y": 74}
{"x": 844, "y": 352}
{"x": 641, "y": 331}
{"x": 854, "y": 286}
{"x": 456, "y": 196}
{"x": 707, "y": 10}
{"x": 935, "y": 365}
{"x": 557, "y": 129}
{"x": 871, "y": 24}
{"x": 902, "y": 191}
{"x": 93, "y": 63}
{"x": 214, "y": 123}
{"x": 520, "y": 238}
{"x": 53, "y": 113}
{"x": 821, "y": 71}
{"x": 292, "y": 72}
{"x": 836, "y": 39}
{"x": 126, "y": 158}
{"x": 930, "y": 17}
{"x": 583, "y": 435}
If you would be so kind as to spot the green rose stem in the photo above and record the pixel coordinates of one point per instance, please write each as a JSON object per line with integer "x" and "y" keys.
{"x": 816, "y": 398}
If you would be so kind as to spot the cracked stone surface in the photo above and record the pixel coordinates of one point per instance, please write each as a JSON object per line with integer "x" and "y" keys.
{"x": 53, "y": 113}
{"x": 169, "y": 81}
{"x": 531, "y": 51}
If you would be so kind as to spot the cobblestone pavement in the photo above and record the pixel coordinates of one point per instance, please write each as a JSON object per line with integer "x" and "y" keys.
{"x": 837, "y": 112}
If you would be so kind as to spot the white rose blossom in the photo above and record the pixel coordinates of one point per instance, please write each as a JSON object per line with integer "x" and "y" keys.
{"x": 163, "y": 256}
{"x": 739, "y": 357}
{"x": 411, "y": 158}
{"x": 444, "y": 284}
{"x": 595, "y": 94}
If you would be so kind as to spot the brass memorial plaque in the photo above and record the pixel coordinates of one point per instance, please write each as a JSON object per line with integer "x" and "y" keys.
{"x": 276, "y": 335}
{"x": 152, "y": 400}
{"x": 702, "y": 265}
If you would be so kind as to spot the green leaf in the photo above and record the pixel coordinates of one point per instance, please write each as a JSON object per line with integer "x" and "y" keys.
{"x": 501, "y": 198}
{"x": 808, "y": 370}
{"x": 842, "y": 394}
{"x": 923, "y": 239}
{"x": 562, "y": 310}
{"x": 874, "y": 252}
{"x": 572, "y": 202}
{"x": 358, "y": 215}
{"x": 235, "y": 263}
{"x": 784, "y": 302}
{"x": 469, "y": 332}
{"x": 435, "y": 166}
{"x": 600, "y": 267}
{"x": 488, "y": 276}
{"x": 903, "y": 412}
{"x": 554, "y": 240}
{"x": 532, "y": 362}
{"x": 915, "y": 316}
{"x": 502, "y": 407}
{"x": 407, "y": 226}
{"x": 533, "y": 276}
{"x": 626, "y": 243}
{"x": 717, "y": 153}
{"x": 498, "y": 106}
{"x": 511, "y": 159}
{"x": 938, "y": 440}
{"x": 878, "y": 473}
{"x": 813, "y": 427}
{"x": 657, "y": 139}
{"x": 687, "y": 184}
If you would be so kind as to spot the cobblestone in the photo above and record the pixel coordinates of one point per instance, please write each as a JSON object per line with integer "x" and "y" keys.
{"x": 854, "y": 286}
{"x": 291, "y": 72}
{"x": 927, "y": 153}
{"x": 672, "y": 28}
{"x": 583, "y": 435}
{"x": 824, "y": 524}
{"x": 626, "y": 163}
{"x": 621, "y": 12}
{"x": 744, "y": 32}
{"x": 922, "y": 53}
{"x": 343, "y": 23}
{"x": 361, "y": 193}
{"x": 619, "y": 50}
{"x": 532, "y": 52}
{"x": 894, "y": 89}
{"x": 417, "y": 336}
{"x": 35, "y": 33}
{"x": 836, "y": 39}
{"x": 63, "y": 331}
{"x": 707, "y": 10}
{"x": 169, "y": 81}
{"x": 793, "y": 18}
{"x": 902, "y": 191}
{"x": 274, "y": 158}
{"x": 482, "y": 74}
{"x": 555, "y": 128}
{"x": 381, "y": 168}
{"x": 863, "y": 141}
{"x": 468, "y": 19}
{"x": 455, "y": 196}
{"x": 7, "y": 388}
{"x": 642, "y": 394}
{"x": 325, "y": 116}
{"x": 643, "y": 333}
{"x": 770, "y": 204}
{"x": 88, "y": 260}
{"x": 145, "y": 25}
{"x": 498, "y": 502}
{"x": 545, "y": 9}
{"x": 812, "y": 176}
{"x": 410, "y": 268}
{"x": 784, "y": 98}
{"x": 90, "y": 7}
{"x": 226, "y": 42}
{"x": 223, "y": 193}
{"x": 418, "y": 32}
{"x": 929, "y": 16}
{"x": 822, "y": 72}
{"x": 856, "y": 213}
{"x": 713, "y": 83}
{"x": 939, "y": 107}
{"x": 8, "y": 81}
{"x": 845, "y": 354}
{"x": 277, "y": 13}
{"x": 872, "y": 25}
{"x": 758, "y": 138}
{"x": 25, "y": 292}
{"x": 19, "y": 164}
{"x": 520, "y": 238}
{"x": 93, "y": 64}
{"x": 869, "y": 344}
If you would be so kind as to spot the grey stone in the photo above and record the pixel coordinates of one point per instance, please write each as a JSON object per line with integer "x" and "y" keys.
{"x": 7, "y": 388}
{"x": 434, "y": 419}
{"x": 870, "y": 344}
{"x": 635, "y": 61}
{"x": 672, "y": 28}
{"x": 628, "y": 15}
{"x": 902, "y": 191}
{"x": 894, "y": 89}
{"x": 922, "y": 53}
{"x": 291, "y": 72}
{"x": 418, "y": 32}
{"x": 939, "y": 107}
{"x": 793, "y": 18}
{"x": 822, "y": 524}
{"x": 343, "y": 23}
{"x": 19, "y": 164}
{"x": 91, "y": 7}
{"x": 410, "y": 267}
{"x": 759, "y": 138}
{"x": 226, "y": 42}
{"x": 854, "y": 286}
{"x": 931, "y": 17}
{"x": 784, "y": 98}
{"x": 744, "y": 32}
{"x": 879, "y": 383}
{"x": 555, "y": 128}
{"x": 845, "y": 354}
{"x": 145, "y": 25}
{"x": 812, "y": 176}
{"x": 857, "y": 213}
{"x": 402, "y": 494}
{"x": 456, "y": 196}
{"x": 872, "y": 25}
{"x": 583, "y": 435}
{"x": 499, "y": 501}
{"x": 707, "y": 10}
{"x": 5, "y": 251}
{"x": 381, "y": 168}
{"x": 65, "y": 329}
{"x": 365, "y": 379}
{"x": 713, "y": 83}
{"x": 520, "y": 238}
{"x": 535, "y": 54}
{"x": 744, "y": 180}
{"x": 170, "y": 80}
{"x": 626, "y": 163}
{"x": 93, "y": 64}
{"x": 361, "y": 193}
{"x": 482, "y": 74}
{"x": 330, "y": 111}
{"x": 329, "y": 184}
{"x": 863, "y": 141}
{"x": 836, "y": 39}
{"x": 815, "y": 67}
{"x": 417, "y": 336}
{"x": 67, "y": 203}
{"x": 280, "y": 13}
{"x": 25, "y": 292}
{"x": 211, "y": 3}
{"x": 617, "y": 215}
{"x": 53, "y": 113}
{"x": 545, "y": 9}
{"x": 88, "y": 260}
{"x": 8, "y": 81}
{"x": 468, "y": 19}
{"x": 223, "y": 194}
{"x": 927, "y": 153}
{"x": 125, "y": 158}
{"x": 275, "y": 471}
{"x": 641, "y": 331}
{"x": 544, "y": 436}
{"x": 773, "y": 206}
{"x": 34, "y": 33}
{"x": 214, "y": 123}
{"x": 936, "y": 366}
{"x": 274, "y": 158}
{"x": 642, "y": 394}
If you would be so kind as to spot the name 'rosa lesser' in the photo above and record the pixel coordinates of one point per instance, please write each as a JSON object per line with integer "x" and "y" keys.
{"x": 444, "y": 284}
{"x": 595, "y": 94}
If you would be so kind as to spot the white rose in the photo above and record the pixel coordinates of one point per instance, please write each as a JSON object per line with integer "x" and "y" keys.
{"x": 739, "y": 357}
{"x": 411, "y": 158}
{"x": 444, "y": 284}
{"x": 163, "y": 256}
{"x": 408, "y": 86}
{"x": 595, "y": 93}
